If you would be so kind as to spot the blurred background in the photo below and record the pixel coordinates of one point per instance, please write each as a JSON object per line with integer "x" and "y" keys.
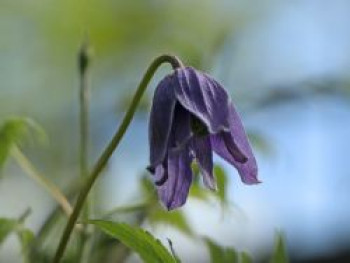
{"x": 286, "y": 65}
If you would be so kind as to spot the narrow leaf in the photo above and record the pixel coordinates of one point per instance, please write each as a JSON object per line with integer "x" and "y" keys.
{"x": 246, "y": 258}
{"x": 221, "y": 179}
{"x": 280, "y": 253}
{"x": 13, "y": 131}
{"x": 142, "y": 242}
{"x": 217, "y": 254}
{"x": 231, "y": 255}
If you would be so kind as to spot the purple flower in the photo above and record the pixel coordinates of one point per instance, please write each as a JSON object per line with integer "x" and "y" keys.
{"x": 192, "y": 116}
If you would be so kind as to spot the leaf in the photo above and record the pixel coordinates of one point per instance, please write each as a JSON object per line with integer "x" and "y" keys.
{"x": 6, "y": 227}
{"x": 246, "y": 258}
{"x": 221, "y": 179}
{"x": 25, "y": 237}
{"x": 174, "y": 218}
{"x": 142, "y": 242}
{"x": 280, "y": 253}
{"x": 198, "y": 192}
{"x": 13, "y": 131}
{"x": 217, "y": 254}
{"x": 231, "y": 255}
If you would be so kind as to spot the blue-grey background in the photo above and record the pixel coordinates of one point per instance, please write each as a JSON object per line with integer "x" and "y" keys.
{"x": 285, "y": 63}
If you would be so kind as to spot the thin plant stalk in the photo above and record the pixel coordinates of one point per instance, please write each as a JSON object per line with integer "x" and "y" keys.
{"x": 52, "y": 189}
{"x": 102, "y": 161}
{"x": 83, "y": 63}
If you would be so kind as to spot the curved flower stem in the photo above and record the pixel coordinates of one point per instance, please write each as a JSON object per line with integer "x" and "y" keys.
{"x": 102, "y": 161}
{"x": 26, "y": 165}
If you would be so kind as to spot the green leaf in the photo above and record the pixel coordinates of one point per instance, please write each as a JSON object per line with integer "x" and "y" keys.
{"x": 221, "y": 179}
{"x": 142, "y": 242}
{"x": 198, "y": 192}
{"x": 175, "y": 218}
{"x": 6, "y": 227}
{"x": 231, "y": 255}
{"x": 246, "y": 258}
{"x": 217, "y": 254}
{"x": 280, "y": 253}
{"x": 25, "y": 237}
{"x": 13, "y": 131}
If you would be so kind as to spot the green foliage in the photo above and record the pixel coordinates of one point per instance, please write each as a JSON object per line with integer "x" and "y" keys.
{"x": 280, "y": 252}
{"x": 7, "y": 226}
{"x": 219, "y": 254}
{"x": 25, "y": 235}
{"x": 142, "y": 242}
{"x": 221, "y": 180}
{"x": 245, "y": 258}
{"x": 13, "y": 131}
{"x": 176, "y": 219}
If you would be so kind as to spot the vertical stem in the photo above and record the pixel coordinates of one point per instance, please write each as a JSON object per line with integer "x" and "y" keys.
{"x": 83, "y": 64}
{"x": 84, "y": 61}
{"x": 102, "y": 161}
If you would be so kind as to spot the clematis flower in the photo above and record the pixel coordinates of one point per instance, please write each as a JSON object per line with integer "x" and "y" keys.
{"x": 192, "y": 116}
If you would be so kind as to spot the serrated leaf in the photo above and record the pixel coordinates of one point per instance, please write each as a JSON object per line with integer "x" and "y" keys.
{"x": 142, "y": 242}
{"x": 7, "y": 226}
{"x": 175, "y": 218}
{"x": 13, "y": 131}
{"x": 280, "y": 253}
{"x": 246, "y": 258}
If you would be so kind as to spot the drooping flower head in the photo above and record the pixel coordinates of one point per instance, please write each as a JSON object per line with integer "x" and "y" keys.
{"x": 192, "y": 116}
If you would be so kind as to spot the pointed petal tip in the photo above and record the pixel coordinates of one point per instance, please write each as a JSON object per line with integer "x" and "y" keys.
{"x": 172, "y": 205}
{"x": 251, "y": 181}
{"x": 210, "y": 184}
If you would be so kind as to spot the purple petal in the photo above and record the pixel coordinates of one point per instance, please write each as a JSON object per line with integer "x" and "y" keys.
{"x": 181, "y": 129}
{"x": 173, "y": 193}
{"x": 203, "y": 154}
{"x": 247, "y": 170}
{"x": 203, "y": 97}
{"x": 161, "y": 120}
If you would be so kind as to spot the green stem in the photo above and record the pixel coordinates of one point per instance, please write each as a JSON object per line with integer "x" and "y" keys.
{"x": 83, "y": 64}
{"x": 102, "y": 161}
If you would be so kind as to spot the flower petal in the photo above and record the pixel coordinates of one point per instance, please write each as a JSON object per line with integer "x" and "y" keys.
{"x": 173, "y": 193}
{"x": 181, "y": 131}
{"x": 204, "y": 155}
{"x": 247, "y": 170}
{"x": 161, "y": 119}
{"x": 203, "y": 97}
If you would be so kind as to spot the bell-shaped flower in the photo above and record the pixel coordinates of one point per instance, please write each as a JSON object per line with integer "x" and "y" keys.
{"x": 192, "y": 116}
